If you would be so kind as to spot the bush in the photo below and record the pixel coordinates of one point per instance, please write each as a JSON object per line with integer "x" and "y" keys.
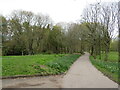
{"x": 62, "y": 64}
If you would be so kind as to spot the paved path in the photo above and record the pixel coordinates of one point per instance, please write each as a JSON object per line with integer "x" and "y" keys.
{"x": 83, "y": 74}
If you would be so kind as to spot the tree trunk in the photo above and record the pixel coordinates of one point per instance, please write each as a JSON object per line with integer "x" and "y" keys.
{"x": 107, "y": 51}
{"x": 99, "y": 47}
{"x": 106, "y": 55}
{"x": 119, "y": 30}
{"x": 92, "y": 49}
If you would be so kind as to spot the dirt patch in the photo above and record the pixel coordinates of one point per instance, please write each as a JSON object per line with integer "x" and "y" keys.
{"x": 34, "y": 82}
{"x": 24, "y": 85}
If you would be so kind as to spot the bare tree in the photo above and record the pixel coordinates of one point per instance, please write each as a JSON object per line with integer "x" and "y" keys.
{"x": 100, "y": 19}
{"x": 108, "y": 20}
{"x": 91, "y": 16}
{"x": 119, "y": 29}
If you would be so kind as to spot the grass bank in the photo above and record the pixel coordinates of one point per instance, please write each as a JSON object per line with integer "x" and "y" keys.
{"x": 37, "y": 64}
{"x": 109, "y": 68}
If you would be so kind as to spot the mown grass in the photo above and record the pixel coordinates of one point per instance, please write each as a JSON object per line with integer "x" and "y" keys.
{"x": 37, "y": 64}
{"x": 110, "y": 68}
{"x": 112, "y": 56}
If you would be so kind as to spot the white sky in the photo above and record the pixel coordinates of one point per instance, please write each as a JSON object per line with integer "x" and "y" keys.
{"x": 58, "y": 10}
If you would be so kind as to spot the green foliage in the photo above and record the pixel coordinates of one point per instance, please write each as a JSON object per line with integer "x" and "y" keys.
{"x": 109, "y": 68}
{"x": 43, "y": 64}
{"x": 26, "y": 33}
{"x": 112, "y": 56}
{"x": 114, "y": 45}
{"x": 17, "y": 65}
{"x": 62, "y": 64}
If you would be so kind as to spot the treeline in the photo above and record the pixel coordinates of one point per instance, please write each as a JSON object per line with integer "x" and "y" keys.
{"x": 26, "y": 33}
{"x": 102, "y": 22}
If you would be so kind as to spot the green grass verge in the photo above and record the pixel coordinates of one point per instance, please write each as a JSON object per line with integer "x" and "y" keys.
{"x": 37, "y": 64}
{"x": 112, "y": 56}
{"x": 110, "y": 68}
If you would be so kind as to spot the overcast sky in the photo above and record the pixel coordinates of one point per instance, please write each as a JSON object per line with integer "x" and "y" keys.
{"x": 58, "y": 10}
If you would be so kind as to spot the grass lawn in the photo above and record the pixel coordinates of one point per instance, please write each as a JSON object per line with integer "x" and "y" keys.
{"x": 109, "y": 68}
{"x": 37, "y": 64}
{"x": 112, "y": 56}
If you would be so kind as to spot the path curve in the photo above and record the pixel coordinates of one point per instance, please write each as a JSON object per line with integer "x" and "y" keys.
{"x": 83, "y": 74}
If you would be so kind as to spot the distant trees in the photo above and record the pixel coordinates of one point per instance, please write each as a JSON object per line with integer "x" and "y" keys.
{"x": 101, "y": 19}
{"x": 25, "y": 33}
{"x": 76, "y": 38}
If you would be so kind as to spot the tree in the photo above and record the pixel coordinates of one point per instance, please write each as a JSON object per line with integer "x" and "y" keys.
{"x": 109, "y": 16}
{"x": 119, "y": 29}
{"x": 100, "y": 20}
